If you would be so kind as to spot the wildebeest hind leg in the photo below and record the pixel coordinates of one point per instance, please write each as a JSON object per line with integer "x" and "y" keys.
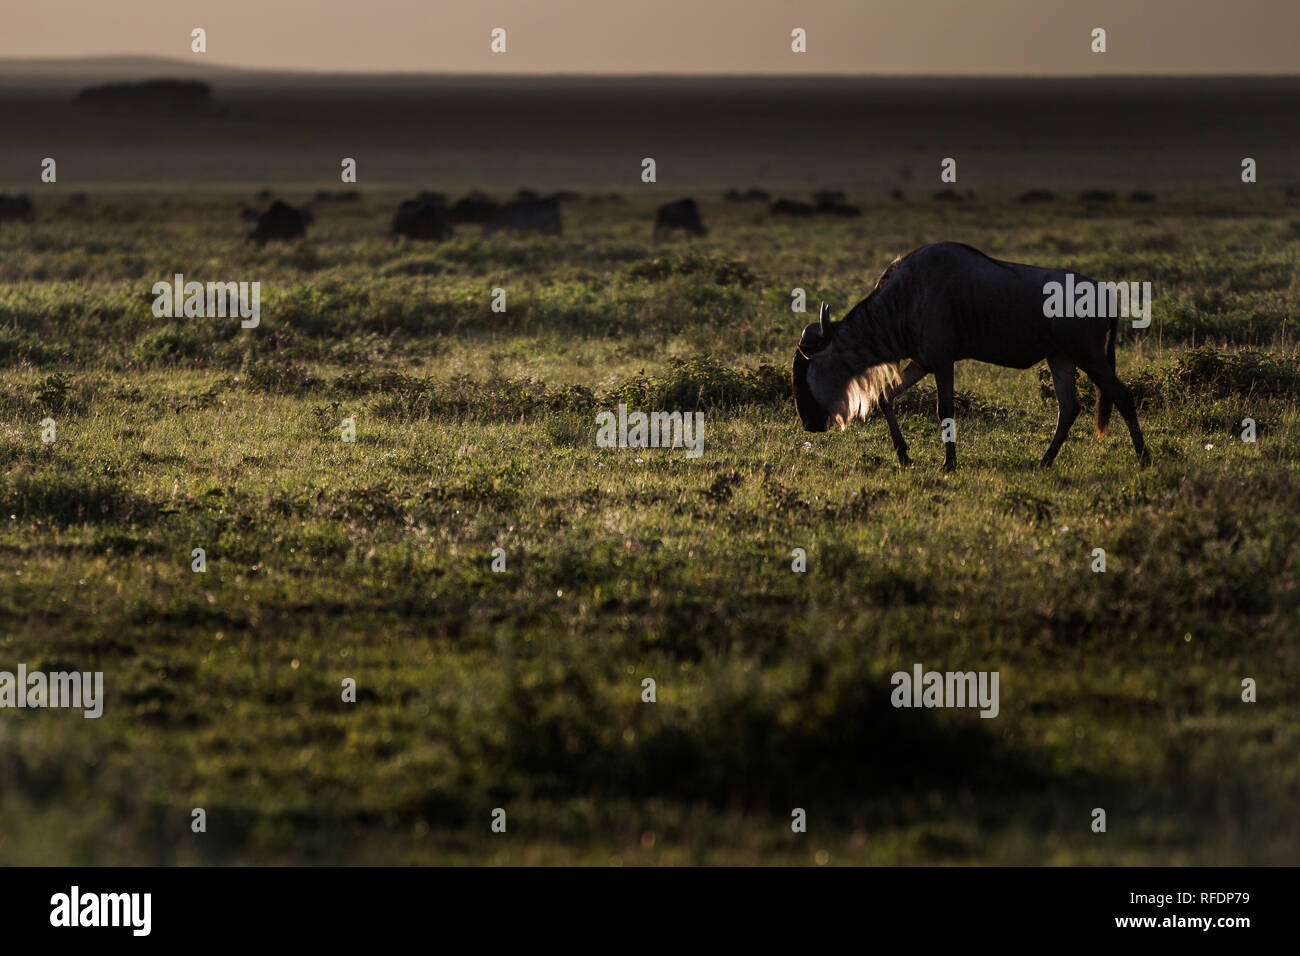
{"x": 1067, "y": 405}
{"x": 1117, "y": 392}
{"x": 943, "y": 378}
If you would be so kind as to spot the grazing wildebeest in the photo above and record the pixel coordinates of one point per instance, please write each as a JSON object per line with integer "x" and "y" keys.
{"x": 540, "y": 215}
{"x": 421, "y": 219}
{"x": 936, "y": 306}
{"x": 1038, "y": 195}
{"x": 477, "y": 207}
{"x": 682, "y": 214}
{"x": 836, "y": 208}
{"x": 341, "y": 196}
{"x": 281, "y": 221}
{"x": 15, "y": 208}
{"x": 789, "y": 207}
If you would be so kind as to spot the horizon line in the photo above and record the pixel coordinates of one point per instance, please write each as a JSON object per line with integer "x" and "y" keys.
{"x": 466, "y": 74}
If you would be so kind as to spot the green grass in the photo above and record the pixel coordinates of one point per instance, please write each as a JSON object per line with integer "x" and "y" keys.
{"x": 522, "y": 689}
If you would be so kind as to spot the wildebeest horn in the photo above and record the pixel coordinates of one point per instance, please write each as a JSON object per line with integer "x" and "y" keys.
{"x": 823, "y": 317}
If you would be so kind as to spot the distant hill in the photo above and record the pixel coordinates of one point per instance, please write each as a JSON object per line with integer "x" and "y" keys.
{"x": 73, "y": 70}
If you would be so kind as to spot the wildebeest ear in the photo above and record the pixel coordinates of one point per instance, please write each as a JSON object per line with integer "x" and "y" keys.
{"x": 823, "y": 318}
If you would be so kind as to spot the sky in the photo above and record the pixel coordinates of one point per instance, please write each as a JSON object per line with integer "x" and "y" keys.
{"x": 900, "y": 37}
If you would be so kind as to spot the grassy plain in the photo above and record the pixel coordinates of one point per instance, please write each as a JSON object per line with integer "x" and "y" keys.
{"x": 522, "y": 689}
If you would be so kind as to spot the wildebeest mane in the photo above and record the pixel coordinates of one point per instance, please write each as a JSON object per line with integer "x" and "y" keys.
{"x": 864, "y": 350}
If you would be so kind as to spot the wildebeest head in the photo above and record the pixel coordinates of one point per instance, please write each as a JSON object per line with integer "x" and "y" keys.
{"x": 812, "y": 413}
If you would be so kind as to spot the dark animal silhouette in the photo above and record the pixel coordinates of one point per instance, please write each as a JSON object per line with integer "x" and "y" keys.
{"x": 836, "y": 208}
{"x": 789, "y": 207}
{"x": 166, "y": 97}
{"x": 682, "y": 214}
{"x": 281, "y": 221}
{"x": 936, "y": 306}
{"x": 756, "y": 195}
{"x": 421, "y": 219}
{"x": 896, "y": 194}
{"x": 541, "y": 215}
{"x": 16, "y": 208}
{"x": 249, "y": 215}
{"x": 474, "y": 208}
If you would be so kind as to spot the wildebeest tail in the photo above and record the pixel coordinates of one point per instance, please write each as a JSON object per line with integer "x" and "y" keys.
{"x": 1102, "y": 411}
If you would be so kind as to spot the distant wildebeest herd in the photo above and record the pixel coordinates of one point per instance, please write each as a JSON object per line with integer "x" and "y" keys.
{"x": 16, "y": 208}
{"x": 432, "y": 217}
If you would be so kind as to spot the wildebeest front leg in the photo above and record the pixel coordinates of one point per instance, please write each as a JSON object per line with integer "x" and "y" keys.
{"x": 1067, "y": 405}
{"x": 911, "y": 375}
{"x": 943, "y": 378}
{"x": 900, "y": 445}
